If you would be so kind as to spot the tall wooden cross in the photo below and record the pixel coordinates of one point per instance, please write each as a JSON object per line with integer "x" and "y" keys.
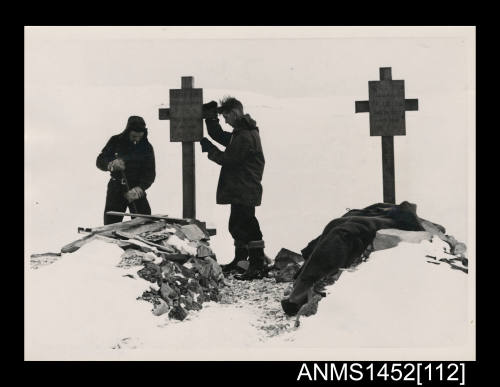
{"x": 186, "y": 126}
{"x": 387, "y": 105}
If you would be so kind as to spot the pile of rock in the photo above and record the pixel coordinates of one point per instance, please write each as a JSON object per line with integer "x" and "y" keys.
{"x": 176, "y": 258}
{"x": 181, "y": 287}
{"x": 286, "y": 265}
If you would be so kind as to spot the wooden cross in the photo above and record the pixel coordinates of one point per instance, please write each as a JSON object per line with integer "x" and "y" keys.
{"x": 387, "y": 105}
{"x": 186, "y": 126}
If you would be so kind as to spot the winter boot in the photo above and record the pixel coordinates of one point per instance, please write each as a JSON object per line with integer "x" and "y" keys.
{"x": 240, "y": 255}
{"x": 258, "y": 262}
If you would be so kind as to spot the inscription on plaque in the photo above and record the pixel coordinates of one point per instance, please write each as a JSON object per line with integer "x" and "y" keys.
{"x": 186, "y": 115}
{"x": 387, "y": 108}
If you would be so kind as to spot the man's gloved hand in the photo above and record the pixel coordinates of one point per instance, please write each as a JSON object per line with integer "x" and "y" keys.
{"x": 206, "y": 144}
{"x": 134, "y": 194}
{"x": 116, "y": 165}
{"x": 210, "y": 110}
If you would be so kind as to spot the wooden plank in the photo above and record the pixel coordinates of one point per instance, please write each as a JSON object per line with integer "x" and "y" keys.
{"x": 166, "y": 218}
{"x": 149, "y": 227}
{"x": 106, "y": 230}
{"x": 121, "y": 225}
{"x": 129, "y": 243}
{"x": 132, "y": 236}
{"x": 73, "y": 246}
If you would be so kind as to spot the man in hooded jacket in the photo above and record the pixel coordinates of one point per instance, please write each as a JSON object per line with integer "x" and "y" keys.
{"x": 242, "y": 167}
{"x": 130, "y": 159}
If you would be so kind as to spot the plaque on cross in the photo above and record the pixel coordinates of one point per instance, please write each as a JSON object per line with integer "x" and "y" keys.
{"x": 186, "y": 126}
{"x": 387, "y": 106}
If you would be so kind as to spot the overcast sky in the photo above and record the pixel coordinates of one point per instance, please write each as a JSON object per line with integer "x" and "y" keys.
{"x": 83, "y": 82}
{"x": 305, "y": 62}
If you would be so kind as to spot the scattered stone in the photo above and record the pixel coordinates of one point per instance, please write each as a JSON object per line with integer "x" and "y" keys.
{"x": 194, "y": 286}
{"x": 177, "y": 313}
{"x": 264, "y": 297}
{"x": 243, "y": 264}
{"x": 456, "y": 247}
{"x": 169, "y": 268}
{"x": 186, "y": 285}
{"x": 160, "y": 308}
{"x": 151, "y": 272}
{"x": 149, "y": 257}
{"x": 286, "y": 257}
{"x": 208, "y": 268}
{"x": 167, "y": 292}
{"x": 287, "y": 274}
{"x": 204, "y": 251}
{"x": 150, "y": 295}
{"x": 37, "y": 260}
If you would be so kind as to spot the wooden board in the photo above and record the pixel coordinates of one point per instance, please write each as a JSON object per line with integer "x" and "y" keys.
{"x": 185, "y": 115}
{"x": 387, "y": 108}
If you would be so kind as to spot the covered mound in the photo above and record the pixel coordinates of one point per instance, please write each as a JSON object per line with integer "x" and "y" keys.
{"x": 346, "y": 241}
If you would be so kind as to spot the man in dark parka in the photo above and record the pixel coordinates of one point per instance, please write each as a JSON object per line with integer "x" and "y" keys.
{"x": 242, "y": 167}
{"x": 130, "y": 158}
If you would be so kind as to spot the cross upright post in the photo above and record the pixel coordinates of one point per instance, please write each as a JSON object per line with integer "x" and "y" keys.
{"x": 186, "y": 126}
{"x": 387, "y": 105}
{"x": 389, "y": 186}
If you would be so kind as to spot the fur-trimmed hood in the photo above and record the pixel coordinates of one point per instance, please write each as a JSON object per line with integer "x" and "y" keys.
{"x": 246, "y": 122}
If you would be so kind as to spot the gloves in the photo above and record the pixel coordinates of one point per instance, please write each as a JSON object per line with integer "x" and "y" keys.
{"x": 134, "y": 194}
{"x": 116, "y": 165}
{"x": 209, "y": 110}
{"x": 206, "y": 145}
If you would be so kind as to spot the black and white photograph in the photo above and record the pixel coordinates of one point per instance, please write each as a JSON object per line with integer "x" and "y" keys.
{"x": 242, "y": 193}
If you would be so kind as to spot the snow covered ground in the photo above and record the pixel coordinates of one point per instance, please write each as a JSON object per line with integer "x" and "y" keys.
{"x": 320, "y": 160}
{"x": 394, "y": 305}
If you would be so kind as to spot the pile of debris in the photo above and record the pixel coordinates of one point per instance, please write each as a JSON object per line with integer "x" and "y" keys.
{"x": 172, "y": 253}
{"x": 286, "y": 265}
{"x": 180, "y": 287}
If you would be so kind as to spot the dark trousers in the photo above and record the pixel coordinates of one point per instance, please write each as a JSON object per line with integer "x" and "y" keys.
{"x": 115, "y": 201}
{"x": 243, "y": 225}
